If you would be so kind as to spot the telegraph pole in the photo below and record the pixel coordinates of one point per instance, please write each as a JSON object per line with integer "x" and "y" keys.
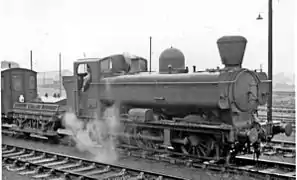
{"x": 270, "y": 58}
{"x": 60, "y": 75}
{"x": 150, "y": 54}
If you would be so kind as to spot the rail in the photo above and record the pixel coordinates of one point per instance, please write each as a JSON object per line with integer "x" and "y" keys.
{"x": 280, "y": 118}
{"x": 279, "y": 110}
{"x": 284, "y": 143}
{"x": 244, "y": 165}
{"x": 279, "y": 148}
{"x": 42, "y": 164}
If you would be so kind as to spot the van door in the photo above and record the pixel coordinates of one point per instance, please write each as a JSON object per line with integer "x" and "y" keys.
{"x": 31, "y": 89}
{"x": 17, "y": 86}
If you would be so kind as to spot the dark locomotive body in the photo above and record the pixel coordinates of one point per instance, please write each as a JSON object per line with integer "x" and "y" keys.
{"x": 210, "y": 114}
{"x": 173, "y": 108}
{"x": 182, "y": 94}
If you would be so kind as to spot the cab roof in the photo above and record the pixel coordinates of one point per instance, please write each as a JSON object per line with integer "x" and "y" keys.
{"x": 16, "y": 69}
{"x": 125, "y": 55}
{"x": 87, "y": 60}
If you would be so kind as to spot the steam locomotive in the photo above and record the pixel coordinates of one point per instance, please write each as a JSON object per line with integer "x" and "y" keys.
{"x": 210, "y": 114}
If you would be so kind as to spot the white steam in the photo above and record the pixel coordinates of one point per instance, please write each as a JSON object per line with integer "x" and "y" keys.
{"x": 93, "y": 136}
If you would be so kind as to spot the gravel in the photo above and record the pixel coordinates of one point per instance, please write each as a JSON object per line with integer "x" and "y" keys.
{"x": 189, "y": 173}
{"x": 7, "y": 175}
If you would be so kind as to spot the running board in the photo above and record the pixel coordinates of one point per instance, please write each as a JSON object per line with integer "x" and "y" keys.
{"x": 65, "y": 132}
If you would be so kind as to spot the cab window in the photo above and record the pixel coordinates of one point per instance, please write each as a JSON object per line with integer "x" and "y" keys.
{"x": 32, "y": 82}
{"x": 106, "y": 65}
{"x": 142, "y": 65}
{"x": 84, "y": 76}
{"x": 138, "y": 65}
{"x": 83, "y": 69}
{"x": 17, "y": 82}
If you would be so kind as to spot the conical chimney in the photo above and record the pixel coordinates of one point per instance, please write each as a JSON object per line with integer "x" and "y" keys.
{"x": 232, "y": 50}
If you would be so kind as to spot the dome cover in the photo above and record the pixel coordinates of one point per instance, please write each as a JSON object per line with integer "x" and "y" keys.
{"x": 173, "y": 57}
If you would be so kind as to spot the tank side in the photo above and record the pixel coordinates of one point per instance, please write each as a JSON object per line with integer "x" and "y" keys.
{"x": 164, "y": 90}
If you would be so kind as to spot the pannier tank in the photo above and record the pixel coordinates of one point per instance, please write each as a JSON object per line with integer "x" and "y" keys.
{"x": 178, "y": 94}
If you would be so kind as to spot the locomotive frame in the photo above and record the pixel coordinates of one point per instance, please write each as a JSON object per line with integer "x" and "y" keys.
{"x": 214, "y": 121}
{"x": 144, "y": 121}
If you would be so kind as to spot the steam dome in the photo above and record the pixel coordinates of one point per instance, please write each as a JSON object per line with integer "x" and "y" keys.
{"x": 173, "y": 57}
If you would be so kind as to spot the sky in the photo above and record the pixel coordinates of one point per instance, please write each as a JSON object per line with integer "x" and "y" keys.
{"x": 100, "y": 28}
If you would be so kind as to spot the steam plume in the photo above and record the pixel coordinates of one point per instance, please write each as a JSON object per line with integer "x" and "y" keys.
{"x": 93, "y": 137}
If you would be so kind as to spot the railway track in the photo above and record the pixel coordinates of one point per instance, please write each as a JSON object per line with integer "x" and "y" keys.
{"x": 282, "y": 106}
{"x": 286, "y": 149}
{"x": 284, "y": 143}
{"x": 244, "y": 165}
{"x": 47, "y": 165}
{"x": 279, "y": 110}
{"x": 39, "y": 163}
{"x": 269, "y": 169}
{"x": 280, "y": 118}
{"x": 263, "y": 168}
{"x": 286, "y": 119}
{"x": 283, "y": 119}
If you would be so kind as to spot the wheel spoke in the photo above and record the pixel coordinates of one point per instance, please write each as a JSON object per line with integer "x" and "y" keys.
{"x": 203, "y": 146}
{"x": 193, "y": 150}
{"x": 184, "y": 150}
{"x": 202, "y": 151}
{"x": 200, "y": 146}
{"x": 198, "y": 152}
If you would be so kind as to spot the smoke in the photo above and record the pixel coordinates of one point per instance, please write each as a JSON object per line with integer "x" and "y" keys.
{"x": 93, "y": 136}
